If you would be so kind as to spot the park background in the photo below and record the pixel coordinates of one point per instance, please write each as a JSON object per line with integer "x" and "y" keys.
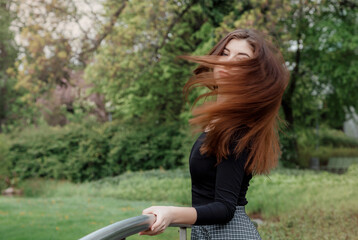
{"x": 94, "y": 127}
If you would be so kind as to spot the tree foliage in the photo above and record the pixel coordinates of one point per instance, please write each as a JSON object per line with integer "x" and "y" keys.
{"x": 128, "y": 57}
{"x": 8, "y": 53}
{"x": 137, "y": 70}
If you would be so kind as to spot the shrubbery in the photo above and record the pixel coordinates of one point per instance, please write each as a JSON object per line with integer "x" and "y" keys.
{"x": 92, "y": 151}
{"x": 330, "y": 142}
{"x": 4, "y": 163}
{"x": 324, "y": 153}
{"x": 288, "y": 151}
{"x": 337, "y": 139}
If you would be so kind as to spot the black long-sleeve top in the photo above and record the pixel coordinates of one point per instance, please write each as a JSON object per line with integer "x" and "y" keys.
{"x": 217, "y": 190}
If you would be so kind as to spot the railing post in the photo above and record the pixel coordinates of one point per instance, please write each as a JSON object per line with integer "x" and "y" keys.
{"x": 182, "y": 233}
{"x": 182, "y": 229}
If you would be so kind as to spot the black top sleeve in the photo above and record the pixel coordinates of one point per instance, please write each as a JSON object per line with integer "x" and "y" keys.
{"x": 229, "y": 177}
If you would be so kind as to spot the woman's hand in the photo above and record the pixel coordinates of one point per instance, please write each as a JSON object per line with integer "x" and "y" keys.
{"x": 163, "y": 218}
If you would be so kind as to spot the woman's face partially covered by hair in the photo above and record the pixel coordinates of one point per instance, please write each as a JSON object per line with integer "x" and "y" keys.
{"x": 235, "y": 50}
{"x": 246, "y": 76}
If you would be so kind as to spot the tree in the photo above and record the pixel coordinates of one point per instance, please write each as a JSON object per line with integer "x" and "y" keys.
{"x": 136, "y": 69}
{"x": 319, "y": 42}
{"x": 57, "y": 39}
{"x": 8, "y": 53}
{"x": 331, "y": 55}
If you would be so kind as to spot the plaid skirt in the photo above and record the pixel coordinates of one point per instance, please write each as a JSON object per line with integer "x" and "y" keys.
{"x": 239, "y": 228}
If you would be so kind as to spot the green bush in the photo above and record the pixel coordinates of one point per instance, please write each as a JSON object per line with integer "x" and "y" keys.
{"x": 335, "y": 138}
{"x": 92, "y": 151}
{"x": 89, "y": 160}
{"x": 41, "y": 152}
{"x": 4, "y": 162}
{"x": 143, "y": 148}
{"x": 331, "y": 143}
{"x": 288, "y": 149}
{"x": 324, "y": 154}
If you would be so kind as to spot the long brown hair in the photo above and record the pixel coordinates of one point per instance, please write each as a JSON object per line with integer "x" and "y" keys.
{"x": 248, "y": 115}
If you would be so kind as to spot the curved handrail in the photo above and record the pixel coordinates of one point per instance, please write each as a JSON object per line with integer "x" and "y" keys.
{"x": 128, "y": 227}
{"x": 122, "y": 229}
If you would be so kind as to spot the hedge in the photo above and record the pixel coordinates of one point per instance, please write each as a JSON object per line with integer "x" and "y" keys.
{"x": 89, "y": 152}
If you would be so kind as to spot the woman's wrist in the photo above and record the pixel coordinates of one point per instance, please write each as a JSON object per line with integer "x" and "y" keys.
{"x": 182, "y": 215}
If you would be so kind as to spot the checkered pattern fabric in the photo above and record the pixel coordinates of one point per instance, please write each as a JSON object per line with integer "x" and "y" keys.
{"x": 239, "y": 228}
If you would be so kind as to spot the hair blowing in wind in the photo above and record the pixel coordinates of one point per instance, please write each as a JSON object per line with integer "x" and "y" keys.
{"x": 250, "y": 98}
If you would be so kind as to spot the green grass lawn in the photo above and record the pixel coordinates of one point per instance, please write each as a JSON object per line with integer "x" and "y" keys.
{"x": 338, "y": 222}
{"x": 66, "y": 217}
{"x": 294, "y": 204}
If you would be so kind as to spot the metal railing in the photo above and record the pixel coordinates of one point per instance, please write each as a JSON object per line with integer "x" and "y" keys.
{"x": 125, "y": 228}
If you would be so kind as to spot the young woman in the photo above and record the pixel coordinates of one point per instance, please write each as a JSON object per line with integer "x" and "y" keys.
{"x": 239, "y": 138}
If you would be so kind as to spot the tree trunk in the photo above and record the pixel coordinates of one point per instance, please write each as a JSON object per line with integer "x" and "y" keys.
{"x": 287, "y": 99}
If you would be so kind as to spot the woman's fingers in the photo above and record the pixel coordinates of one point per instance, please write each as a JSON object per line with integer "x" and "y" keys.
{"x": 157, "y": 223}
{"x": 161, "y": 222}
{"x": 158, "y": 227}
{"x": 151, "y": 233}
{"x": 159, "y": 218}
{"x": 148, "y": 210}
